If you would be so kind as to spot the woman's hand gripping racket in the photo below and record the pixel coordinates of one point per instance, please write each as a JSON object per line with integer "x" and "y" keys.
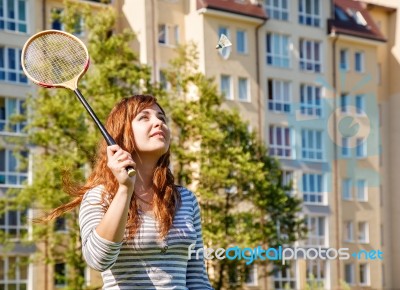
{"x": 56, "y": 59}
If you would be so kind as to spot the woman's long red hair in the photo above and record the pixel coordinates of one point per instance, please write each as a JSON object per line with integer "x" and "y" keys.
{"x": 166, "y": 198}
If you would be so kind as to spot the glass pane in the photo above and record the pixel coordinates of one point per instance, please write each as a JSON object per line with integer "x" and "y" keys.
{"x": 21, "y": 10}
{"x": 23, "y": 268}
{"x": 12, "y": 261}
{"x": 12, "y": 218}
{"x": 12, "y": 161}
{"x": 11, "y": 9}
{"x": 1, "y": 268}
{"x": 11, "y": 58}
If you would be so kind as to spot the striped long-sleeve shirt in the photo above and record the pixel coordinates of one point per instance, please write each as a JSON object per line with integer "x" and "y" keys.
{"x": 145, "y": 262}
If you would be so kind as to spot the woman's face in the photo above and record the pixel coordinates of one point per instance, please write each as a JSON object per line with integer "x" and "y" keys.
{"x": 151, "y": 132}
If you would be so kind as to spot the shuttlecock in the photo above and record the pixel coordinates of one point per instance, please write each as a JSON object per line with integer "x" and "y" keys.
{"x": 223, "y": 42}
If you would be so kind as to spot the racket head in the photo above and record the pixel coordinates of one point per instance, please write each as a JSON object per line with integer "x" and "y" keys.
{"x": 55, "y": 59}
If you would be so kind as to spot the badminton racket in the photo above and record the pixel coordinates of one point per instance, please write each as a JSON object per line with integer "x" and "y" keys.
{"x": 57, "y": 59}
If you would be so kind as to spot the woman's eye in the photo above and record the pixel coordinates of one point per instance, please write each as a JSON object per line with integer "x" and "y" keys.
{"x": 143, "y": 117}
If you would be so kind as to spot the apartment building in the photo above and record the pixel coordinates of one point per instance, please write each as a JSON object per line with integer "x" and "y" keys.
{"x": 385, "y": 14}
{"x": 310, "y": 76}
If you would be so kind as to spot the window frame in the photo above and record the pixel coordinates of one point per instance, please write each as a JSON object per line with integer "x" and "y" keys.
{"x": 314, "y": 61}
{"x": 307, "y": 150}
{"x": 282, "y": 57}
{"x": 313, "y": 16}
{"x": 229, "y": 96}
{"x": 20, "y": 77}
{"x": 305, "y": 107}
{"x": 278, "y": 11}
{"x": 276, "y": 101}
{"x": 274, "y": 147}
{"x": 245, "y": 42}
{"x": 314, "y": 187}
{"x": 248, "y": 95}
{"x": 7, "y": 21}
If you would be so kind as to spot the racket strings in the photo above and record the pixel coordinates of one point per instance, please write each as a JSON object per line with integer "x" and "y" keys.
{"x": 54, "y": 58}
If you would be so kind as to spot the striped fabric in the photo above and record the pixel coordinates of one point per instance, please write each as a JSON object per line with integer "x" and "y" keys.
{"x": 146, "y": 262}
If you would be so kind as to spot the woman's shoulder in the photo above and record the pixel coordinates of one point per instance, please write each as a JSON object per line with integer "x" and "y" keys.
{"x": 95, "y": 194}
{"x": 186, "y": 194}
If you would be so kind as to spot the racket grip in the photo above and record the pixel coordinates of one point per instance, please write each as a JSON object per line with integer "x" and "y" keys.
{"x": 131, "y": 171}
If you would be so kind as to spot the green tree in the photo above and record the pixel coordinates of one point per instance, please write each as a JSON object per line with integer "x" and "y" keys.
{"x": 239, "y": 186}
{"x": 64, "y": 137}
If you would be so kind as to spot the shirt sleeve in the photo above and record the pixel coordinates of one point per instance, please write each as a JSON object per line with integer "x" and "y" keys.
{"x": 100, "y": 254}
{"x": 196, "y": 275}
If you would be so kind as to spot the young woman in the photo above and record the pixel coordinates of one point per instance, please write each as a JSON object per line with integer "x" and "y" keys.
{"x": 137, "y": 230}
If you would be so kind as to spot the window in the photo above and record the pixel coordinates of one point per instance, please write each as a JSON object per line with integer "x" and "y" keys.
{"x": 313, "y": 188}
{"x": 344, "y": 59}
{"x": 226, "y": 87}
{"x": 280, "y": 142}
{"x": 345, "y": 147}
{"x": 359, "y": 62}
{"x": 60, "y": 224}
{"x": 277, "y": 9}
{"x": 251, "y": 277}
{"x": 310, "y": 100}
{"x": 225, "y": 51}
{"x": 364, "y": 274}
{"x": 10, "y": 65}
{"x": 8, "y": 108}
{"x": 363, "y": 232}
{"x": 162, "y": 34}
{"x": 361, "y": 147}
{"x": 340, "y": 14}
{"x": 10, "y": 171}
{"x": 60, "y": 279}
{"x": 13, "y": 15}
{"x": 176, "y": 34}
{"x": 244, "y": 94}
{"x": 344, "y": 103}
{"x": 311, "y": 145}
{"x": 163, "y": 81}
{"x": 310, "y": 12}
{"x": 241, "y": 41}
{"x": 13, "y": 224}
{"x": 310, "y": 56}
{"x": 14, "y": 272}
{"x": 279, "y": 96}
{"x": 348, "y": 234}
{"x": 349, "y": 273}
{"x": 360, "y": 105}
{"x": 285, "y": 279}
{"x": 288, "y": 179}
{"x": 278, "y": 50}
{"x": 316, "y": 274}
{"x": 362, "y": 194}
{"x": 316, "y": 230}
{"x": 57, "y": 24}
{"x": 346, "y": 189}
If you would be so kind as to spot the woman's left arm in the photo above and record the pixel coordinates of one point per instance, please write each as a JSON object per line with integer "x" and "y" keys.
{"x": 196, "y": 275}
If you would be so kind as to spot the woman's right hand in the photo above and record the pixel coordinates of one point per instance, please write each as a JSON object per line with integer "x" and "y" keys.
{"x": 118, "y": 160}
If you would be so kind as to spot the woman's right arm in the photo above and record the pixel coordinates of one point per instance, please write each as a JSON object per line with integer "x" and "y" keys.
{"x": 99, "y": 252}
{"x": 102, "y": 232}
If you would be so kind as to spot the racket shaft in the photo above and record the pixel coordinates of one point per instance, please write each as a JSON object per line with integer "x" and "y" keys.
{"x": 110, "y": 141}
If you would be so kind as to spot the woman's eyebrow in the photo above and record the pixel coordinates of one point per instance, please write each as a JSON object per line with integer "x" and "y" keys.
{"x": 147, "y": 112}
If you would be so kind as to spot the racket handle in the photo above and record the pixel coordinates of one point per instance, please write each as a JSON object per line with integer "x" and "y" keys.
{"x": 131, "y": 171}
